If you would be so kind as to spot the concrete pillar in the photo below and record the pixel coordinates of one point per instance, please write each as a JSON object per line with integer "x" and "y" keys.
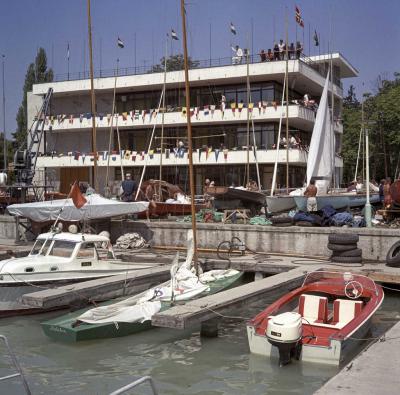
{"x": 209, "y": 328}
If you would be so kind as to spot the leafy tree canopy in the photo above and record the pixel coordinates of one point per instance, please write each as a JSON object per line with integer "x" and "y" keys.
{"x": 37, "y": 72}
{"x": 174, "y": 63}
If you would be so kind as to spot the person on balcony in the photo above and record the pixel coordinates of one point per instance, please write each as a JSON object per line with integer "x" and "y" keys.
{"x": 299, "y": 49}
{"x": 276, "y": 52}
{"x": 237, "y": 58}
{"x": 292, "y": 51}
{"x": 282, "y": 49}
{"x": 263, "y": 56}
{"x": 270, "y": 55}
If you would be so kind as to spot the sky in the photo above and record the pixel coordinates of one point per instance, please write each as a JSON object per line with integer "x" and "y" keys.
{"x": 366, "y": 32}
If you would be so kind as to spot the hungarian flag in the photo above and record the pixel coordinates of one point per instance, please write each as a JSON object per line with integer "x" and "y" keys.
{"x": 174, "y": 35}
{"x": 233, "y": 28}
{"x": 316, "y": 39}
{"x": 299, "y": 19}
{"x": 77, "y": 198}
{"x": 120, "y": 43}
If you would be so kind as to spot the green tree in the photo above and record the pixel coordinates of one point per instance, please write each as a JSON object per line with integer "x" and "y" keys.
{"x": 174, "y": 63}
{"x": 37, "y": 72}
{"x": 382, "y": 118}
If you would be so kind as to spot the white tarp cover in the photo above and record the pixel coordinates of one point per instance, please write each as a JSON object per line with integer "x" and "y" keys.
{"x": 96, "y": 207}
{"x": 184, "y": 285}
{"x": 320, "y": 156}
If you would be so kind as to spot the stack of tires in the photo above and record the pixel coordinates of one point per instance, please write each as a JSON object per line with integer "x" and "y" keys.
{"x": 393, "y": 255}
{"x": 282, "y": 221}
{"x": 344, "y": 248}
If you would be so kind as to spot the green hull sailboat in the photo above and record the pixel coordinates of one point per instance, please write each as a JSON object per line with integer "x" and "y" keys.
{"x": 68, "y": 328}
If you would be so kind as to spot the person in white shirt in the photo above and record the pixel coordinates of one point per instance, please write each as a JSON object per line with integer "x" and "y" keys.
{"x": 237, "y": 59}
{"x": 282, "y": 49}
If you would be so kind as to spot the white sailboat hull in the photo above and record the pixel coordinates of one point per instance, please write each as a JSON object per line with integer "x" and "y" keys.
{"x": 278, "y": 204}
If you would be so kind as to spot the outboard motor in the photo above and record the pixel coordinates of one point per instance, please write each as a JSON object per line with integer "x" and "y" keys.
{"x": 284, "y": 332}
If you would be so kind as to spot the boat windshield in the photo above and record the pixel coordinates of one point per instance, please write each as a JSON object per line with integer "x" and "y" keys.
{"x": 62, "y": 248}
{"x": 343, "y": 278}
{"x": 40, "y": 247}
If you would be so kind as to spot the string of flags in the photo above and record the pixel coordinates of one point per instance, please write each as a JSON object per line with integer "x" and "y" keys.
{"x": 149, "y": 115}
{"x": 203, "y": 154}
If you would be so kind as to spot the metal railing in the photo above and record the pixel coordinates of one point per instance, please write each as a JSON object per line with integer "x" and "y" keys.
{"x": 135, "y": 384}
{"x": 195, "y": 64}
{"x": 17, "y": 367}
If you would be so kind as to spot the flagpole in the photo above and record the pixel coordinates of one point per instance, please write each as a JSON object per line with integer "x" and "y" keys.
{"x": 101, "y": 54}
{"x": 4, "y": 117}
{"x": 162, "y": 116}
{"x": 68, "y": 61}
{"x": 189, "y": 132}
{"x": 134, "y": 50}
{"x": 248, "y": 115}
{"x": 93, "y": 102}
{"x": 210, "y": 44}
{"x": 287, "y": 102}
{"x": 309, "y": 39}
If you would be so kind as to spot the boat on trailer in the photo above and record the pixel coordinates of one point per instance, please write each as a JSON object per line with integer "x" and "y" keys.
{"x": 321, "y": 321}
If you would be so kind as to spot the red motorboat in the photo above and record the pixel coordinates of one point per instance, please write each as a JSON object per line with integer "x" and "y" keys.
{"x": 319, "y": 322}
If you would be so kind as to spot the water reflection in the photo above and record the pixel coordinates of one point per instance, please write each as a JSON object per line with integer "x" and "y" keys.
{"x": 180, "y": 362}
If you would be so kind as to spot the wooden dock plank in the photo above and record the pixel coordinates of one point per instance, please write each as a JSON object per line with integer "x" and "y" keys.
{"x": 100, "y": 289}
{"x": 200, "y": 310}
{"x": 373, "y": 371}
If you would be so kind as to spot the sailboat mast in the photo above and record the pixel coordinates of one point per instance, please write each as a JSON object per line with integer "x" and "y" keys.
{"x": 111, "y": 130}
{"x": 332, "y": 124}
{"x": 162, "y": 116}
{"x": 93, "y": 102}
{"x": 189, "y": 134}
{"x": 287, "y": 104}
{"x": 248, "y": 118}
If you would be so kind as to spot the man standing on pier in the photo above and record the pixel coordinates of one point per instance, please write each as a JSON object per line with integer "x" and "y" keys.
{"x": 311, "y": 193}
{"x": 128, "y": 188}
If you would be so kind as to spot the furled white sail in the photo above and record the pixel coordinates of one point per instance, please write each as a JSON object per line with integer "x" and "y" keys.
{"x": 321, "y": 154}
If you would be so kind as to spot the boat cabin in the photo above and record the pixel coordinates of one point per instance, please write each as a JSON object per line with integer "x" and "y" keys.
{"x": 72, "y": 246}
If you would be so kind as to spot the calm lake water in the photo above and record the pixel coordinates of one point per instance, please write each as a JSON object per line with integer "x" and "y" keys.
{"x": 179, "y": 362}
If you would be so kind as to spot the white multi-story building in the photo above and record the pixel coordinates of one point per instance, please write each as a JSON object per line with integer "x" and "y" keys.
{"x": 220, "y": 137}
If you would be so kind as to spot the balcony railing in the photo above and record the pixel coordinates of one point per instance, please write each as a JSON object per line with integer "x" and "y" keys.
{"x": 196, "y": 64}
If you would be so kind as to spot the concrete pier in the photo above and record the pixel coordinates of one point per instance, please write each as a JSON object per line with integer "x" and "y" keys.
{"x": 312, "y": 241}
{"x": 208, "y": 307}
{"x": 374, "y": 371}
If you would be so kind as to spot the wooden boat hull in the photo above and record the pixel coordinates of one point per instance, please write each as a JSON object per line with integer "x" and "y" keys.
{"x": 244, "y": 195}
{"x": 61, "y": 328}
{"x": 278, "y": 204}
{"x": 161, "y": 209}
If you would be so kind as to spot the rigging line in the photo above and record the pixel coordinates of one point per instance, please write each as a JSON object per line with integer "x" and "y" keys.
{"x": 151, "y": 140}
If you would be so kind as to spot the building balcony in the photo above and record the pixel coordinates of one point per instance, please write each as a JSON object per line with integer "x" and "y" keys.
{"x": 200, "y": 158}
{"x": 299, "y": 117}
{"x": 302, "y": 76}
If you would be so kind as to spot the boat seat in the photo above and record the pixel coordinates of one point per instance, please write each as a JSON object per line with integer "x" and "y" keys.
{"x": 344, "y": 310}
{"x": 313, "y": 308}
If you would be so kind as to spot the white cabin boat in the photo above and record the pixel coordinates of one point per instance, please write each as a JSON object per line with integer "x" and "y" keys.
{"x": 60, "y": 258}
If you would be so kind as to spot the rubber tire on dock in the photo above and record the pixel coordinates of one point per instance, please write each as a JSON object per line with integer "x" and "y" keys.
{"x": 355, "y": 252}
{"x": 393, "y": 255}
{"x": 304, "y": 223}
{"x": 346, "y": 259}
{"x": 342, "y": 247}
{"x": 343, "y": 238}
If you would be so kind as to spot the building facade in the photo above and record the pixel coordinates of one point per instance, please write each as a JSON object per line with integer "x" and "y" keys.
{"x": 220, "y": 116}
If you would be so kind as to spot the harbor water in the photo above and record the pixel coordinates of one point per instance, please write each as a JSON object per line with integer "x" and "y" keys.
{"x": 180, "y": 362}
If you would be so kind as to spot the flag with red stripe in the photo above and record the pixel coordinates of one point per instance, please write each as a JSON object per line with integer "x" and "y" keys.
{"x": 298, "y": 17}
